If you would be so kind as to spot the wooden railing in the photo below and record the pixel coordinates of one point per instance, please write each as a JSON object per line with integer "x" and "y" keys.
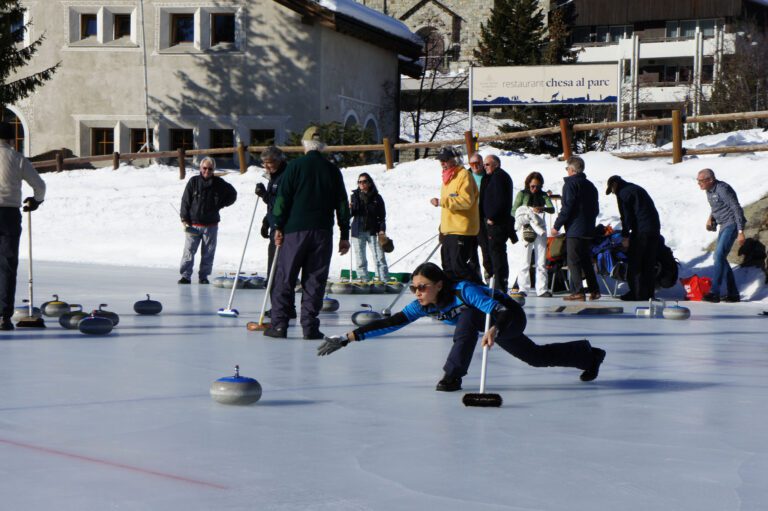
{"x": 565, "y": 130}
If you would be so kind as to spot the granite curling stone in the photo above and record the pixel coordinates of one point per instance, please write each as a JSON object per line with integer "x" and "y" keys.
{"x": 330, "y": 304}
{"x": 95, "y": 325}
{"x": 54, "y": 308}
{"x": 71, "y": 319}
{"x": 148, "y": 307}
{"x": 366, "y": 316}
{"x": 236, "y": 390}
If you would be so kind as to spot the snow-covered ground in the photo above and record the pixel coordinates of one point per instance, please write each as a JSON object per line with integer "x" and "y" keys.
{"x": 127, "y": 217}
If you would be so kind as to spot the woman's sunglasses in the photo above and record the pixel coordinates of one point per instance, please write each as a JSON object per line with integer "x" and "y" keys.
{"x": 420, "y": 288}
{"x": 363, "y": 182}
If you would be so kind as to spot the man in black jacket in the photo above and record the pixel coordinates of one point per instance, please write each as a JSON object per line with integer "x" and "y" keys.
{"x": 641, "y": 232}
{"x": 495, "y": 215}
{"x": 578, "y": 214}
{"x": 274, "y": 162}
{"x": 203, "y": 197}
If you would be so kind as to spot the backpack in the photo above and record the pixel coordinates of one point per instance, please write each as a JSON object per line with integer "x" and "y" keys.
{"x": 556, "y": 248}
{"x": 666, "y": 266}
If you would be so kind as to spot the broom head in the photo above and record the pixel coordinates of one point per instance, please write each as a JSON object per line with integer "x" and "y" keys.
{"x": 30, "y": 322}
{"x": 256, "y": 327}
{"x": 486, "y": 400}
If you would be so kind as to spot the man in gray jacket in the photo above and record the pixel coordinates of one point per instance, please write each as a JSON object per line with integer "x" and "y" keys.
{"x": 14, "y": 168}
{"x": 727, "y": 212}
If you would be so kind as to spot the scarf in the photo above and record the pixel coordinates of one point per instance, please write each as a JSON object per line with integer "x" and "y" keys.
{"x": 449, "y": 174}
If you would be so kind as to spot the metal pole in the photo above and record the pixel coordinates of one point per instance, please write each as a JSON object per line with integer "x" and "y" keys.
{"x": 147, "y": 143}
{"x": 471, "y": 87}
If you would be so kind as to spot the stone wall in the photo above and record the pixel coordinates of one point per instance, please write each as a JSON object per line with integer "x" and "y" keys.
{"x": 457, "y": 20}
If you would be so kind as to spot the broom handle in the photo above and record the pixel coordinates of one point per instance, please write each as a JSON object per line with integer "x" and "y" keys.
{"x": 242, "y": 257}
{"x": 414, "y": 249}
{"x": 269, "y": 285}
{"x": 485, "y": 348}
{"x": 29, "y": 238}
{"x": 350, "y": 265}
{"x": 402, "y": 291}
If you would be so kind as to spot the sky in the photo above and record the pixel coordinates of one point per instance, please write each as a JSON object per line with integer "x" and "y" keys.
{"x": 128, "y": 217}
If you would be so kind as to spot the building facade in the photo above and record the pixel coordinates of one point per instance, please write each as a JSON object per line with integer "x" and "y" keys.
{"x": 669, "y": 54}
{"x": 207, "y": 73}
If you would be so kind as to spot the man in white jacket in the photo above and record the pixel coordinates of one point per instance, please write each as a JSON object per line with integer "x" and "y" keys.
{"x": 14, "y": 168}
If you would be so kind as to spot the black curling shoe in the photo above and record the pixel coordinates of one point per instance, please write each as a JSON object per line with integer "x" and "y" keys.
{"x": 591, "y": 373}
{"x": 448, "y": 385}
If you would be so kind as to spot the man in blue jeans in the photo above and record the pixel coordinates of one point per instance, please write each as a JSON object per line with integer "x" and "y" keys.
{"x": 726, "y": 212}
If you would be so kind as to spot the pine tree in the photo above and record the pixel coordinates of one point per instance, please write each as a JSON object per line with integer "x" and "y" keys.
{"x": 513, "y": 35}
{"x": 14, "y": 55}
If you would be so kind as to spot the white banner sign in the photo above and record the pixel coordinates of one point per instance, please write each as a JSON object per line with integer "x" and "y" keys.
{"x": 538, "y": 85}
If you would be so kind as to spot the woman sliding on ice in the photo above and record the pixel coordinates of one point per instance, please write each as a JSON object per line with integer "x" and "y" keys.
{"x": 465, "y": 305}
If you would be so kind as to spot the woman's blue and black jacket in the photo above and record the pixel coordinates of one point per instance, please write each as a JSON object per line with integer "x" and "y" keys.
{"x": 467, "y": 295}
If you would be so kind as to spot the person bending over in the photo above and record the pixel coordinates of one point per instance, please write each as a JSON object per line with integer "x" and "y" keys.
{"x": 465, "y": 304}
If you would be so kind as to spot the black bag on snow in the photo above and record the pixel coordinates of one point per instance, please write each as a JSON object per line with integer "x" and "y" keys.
{"x": 666, "y": 266}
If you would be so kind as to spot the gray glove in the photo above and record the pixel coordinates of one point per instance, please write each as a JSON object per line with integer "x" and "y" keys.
{"x": 332, "y": 344}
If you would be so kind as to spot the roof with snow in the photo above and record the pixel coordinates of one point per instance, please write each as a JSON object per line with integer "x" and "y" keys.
{"x": 357, "y": 20}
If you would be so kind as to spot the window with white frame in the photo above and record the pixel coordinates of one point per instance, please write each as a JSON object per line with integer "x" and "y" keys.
{"x": 106, "y": 26}
{"x": 200, "y": 29}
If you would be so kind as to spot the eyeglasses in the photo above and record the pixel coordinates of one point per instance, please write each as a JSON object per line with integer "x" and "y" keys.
{"x": 703, "y": 179}
{"x": 363, "y": 182}
{"x": 207, "y": 168}
{"x": 420, "y": 288}
{"x": 534, "y": 186}
{"x": 473, "y": 163}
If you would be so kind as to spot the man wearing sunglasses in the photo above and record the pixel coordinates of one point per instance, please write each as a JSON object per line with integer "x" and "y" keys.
{"x": 204, "y": 196}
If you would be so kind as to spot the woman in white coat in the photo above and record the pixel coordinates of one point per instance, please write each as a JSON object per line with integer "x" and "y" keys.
{"x": 530, "y": 206}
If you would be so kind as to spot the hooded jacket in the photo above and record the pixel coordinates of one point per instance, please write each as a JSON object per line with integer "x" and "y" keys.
{"x": 460, "y": 212}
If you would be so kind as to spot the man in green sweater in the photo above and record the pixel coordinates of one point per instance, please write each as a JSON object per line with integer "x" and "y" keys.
{"x": 310, "y": 192}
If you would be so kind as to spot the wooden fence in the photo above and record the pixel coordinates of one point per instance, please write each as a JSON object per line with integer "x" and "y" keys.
{"x": 564, "y": 129}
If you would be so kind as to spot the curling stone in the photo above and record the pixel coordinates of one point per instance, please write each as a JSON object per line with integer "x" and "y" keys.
{"x": 518, "y": 297}
{"x": 69, "y": 320}
{"x": 643, "y": 312}
{"x": 54, "y": 308}
{"x": 22, "y": 311}
{"x": 147, "y": 307}
{"x": 378, "y": 287}
{"x": 342, "y": 288}
{"x": 361, "y": 288}
{"x": 236, "y": 390}
{"x": 100, "y": 313}
{"x": 95, "y": 325}
{"x": 675, "y": 312}
{"x": 364, "y": 317}
{"x": 256, "y": 282}
{"x": 220, "y": 281}
{"x": 227, "y": 282}
{"x": 330, "y": 304}
{"x": 394, "y": 287}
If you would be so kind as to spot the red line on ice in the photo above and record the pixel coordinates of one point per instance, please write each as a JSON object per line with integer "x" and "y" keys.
{"x": 140, "y": 470}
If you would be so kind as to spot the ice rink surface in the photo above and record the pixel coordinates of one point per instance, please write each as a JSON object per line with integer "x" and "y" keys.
{"x": 676, "y": 420}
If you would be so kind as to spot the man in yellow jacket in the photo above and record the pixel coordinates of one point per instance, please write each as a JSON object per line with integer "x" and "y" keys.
{"x": 459, "y": 218}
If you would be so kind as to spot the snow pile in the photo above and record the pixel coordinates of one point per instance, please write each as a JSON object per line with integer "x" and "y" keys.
{"x": 127, "y": 218}
{"x": 371, "y": 17}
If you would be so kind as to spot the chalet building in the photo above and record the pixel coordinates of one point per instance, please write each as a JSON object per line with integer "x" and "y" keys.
{"x": 208, "y": 73}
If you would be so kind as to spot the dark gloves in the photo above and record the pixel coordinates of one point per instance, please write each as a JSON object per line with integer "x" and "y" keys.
{"x": 30, "y": 204}
{"x": 261, "y": 191}
{"x": 332, "y": 344}
{"x": 265, "y": 228}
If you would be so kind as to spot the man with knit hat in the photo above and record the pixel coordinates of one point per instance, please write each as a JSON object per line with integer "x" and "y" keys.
{"x": 310, "y": 192}
{"x": 641, "y": 234}
{"x": 14, "y": 168}
{"x": 459, "y": 218}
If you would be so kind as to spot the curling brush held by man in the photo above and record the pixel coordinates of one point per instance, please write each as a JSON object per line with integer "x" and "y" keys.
{"x": 465, "y": 304}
